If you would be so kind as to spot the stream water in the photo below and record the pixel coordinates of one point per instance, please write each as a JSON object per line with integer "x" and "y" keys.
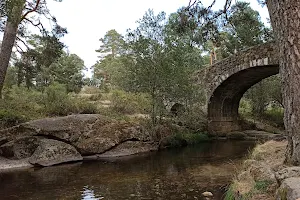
{"x": 182, "y": 173}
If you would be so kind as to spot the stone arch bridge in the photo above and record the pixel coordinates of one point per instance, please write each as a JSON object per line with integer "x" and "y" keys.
{"x": 227, "y": 80}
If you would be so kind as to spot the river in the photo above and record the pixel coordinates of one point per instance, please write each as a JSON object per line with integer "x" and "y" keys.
{"x": 182, "y": 173}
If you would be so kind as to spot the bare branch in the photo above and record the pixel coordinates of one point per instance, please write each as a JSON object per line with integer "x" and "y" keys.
{"x": 191, "y": 4}
{"x": 19, "y": 49}
{"x": 39, "y": 23}
{"x": 211, "y": 5}
{"x": 32, "y": 10}
{"x": 19, "y": 39}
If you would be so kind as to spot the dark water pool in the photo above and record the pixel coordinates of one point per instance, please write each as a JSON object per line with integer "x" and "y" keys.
{"x": 170, "y": 174}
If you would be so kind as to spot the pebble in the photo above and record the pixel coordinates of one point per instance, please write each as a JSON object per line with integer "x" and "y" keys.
{"x": 207, "y": 194}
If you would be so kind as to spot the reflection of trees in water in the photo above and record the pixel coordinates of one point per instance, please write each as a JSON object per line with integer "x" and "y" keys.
{"x": 170, "y": 174}
{"x": 89, "y": 194}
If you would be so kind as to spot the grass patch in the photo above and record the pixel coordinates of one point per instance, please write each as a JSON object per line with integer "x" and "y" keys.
{"x": 229, "y": 195}
{"x": 262, "y": 186}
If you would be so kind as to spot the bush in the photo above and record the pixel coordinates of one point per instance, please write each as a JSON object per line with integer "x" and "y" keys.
{"x": 130, "y": 103}
{"x": 20, "y": 101}
{"x": 275, "y": 115}
{"x": 95, "y": 97}
{"x": 9, "y": 118}
{"x": 196, "y": 138}
{"x": 194, "y": 118}
{"x": 245, "y": 107}
{"x": 84, "y": 107}
{"x": 183, "y": 139}
{"x": 56, "y": 100}
{"x": 21, "y": 104}
{"x": 58, "y": 103}
{"x": 90, "y": 90}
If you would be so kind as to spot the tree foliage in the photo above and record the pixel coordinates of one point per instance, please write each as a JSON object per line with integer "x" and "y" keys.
{"x": 15, "y": 16}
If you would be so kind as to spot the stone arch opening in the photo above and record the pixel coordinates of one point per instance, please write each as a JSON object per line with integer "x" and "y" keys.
{"x": 177, "y": 109}
{"x": 224, "y": 102}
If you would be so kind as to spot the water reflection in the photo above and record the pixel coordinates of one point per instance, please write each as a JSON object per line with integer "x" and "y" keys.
{"x": 171, "y": 174}
{"x": 89, "y": 194}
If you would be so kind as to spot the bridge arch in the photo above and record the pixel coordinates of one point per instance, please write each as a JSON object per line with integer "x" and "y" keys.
{"x": 224, "y": 102}
{"x": 230, "y": 78}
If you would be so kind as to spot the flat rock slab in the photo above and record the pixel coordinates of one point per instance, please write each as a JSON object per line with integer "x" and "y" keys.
{"x": 89, "y": 134}
{"x": 7, "y": 164}
{"x": 52, "y": 152}
{"x": 264, "y": 135}
{"x": 128, "y": 148}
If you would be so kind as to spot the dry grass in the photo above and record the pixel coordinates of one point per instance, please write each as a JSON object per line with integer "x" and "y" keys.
{"x": 270, "y": 154}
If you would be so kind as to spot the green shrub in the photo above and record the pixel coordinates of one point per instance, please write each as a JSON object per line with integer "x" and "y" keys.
{"x": 21, "y": 101}
{"x": 194, "y": 118}
{"x": 95, "y": 97}
{"x": 84, "y": 107}
{"x": 182, "y": 139}
{"x": 58, "y": 103}
{"x": 245, "y": 107}
{"x": 129, "y": 103}
{"x": 90, "y": 90}
{"x": 56, "y": 100}
{"x": 9, "y": 118}
{"x": 275, "y": 115}
{"x": 195, "y": 138}
{"x": 21, "y": 104}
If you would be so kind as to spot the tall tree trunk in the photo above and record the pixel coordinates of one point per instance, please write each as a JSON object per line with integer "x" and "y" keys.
{"x": 285, "y": 19}
{"x": 9, "y": 37}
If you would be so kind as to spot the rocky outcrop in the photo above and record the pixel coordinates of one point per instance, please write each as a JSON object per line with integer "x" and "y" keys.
{"x": 288, "y": 173}
{"x": 289, "y": 189}
{"x": 20, "y": 148}
{"x": 52, "y": 152}
{"x": 262, "y": 172}
{"x": 87, "y": 134}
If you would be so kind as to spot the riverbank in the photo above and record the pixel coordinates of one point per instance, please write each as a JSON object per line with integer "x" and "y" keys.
{"x": 266, "y": 176}
{"x": 53, "y": 141}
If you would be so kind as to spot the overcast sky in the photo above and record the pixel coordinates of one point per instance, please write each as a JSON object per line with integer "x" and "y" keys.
{"x": 87, "y": 21}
